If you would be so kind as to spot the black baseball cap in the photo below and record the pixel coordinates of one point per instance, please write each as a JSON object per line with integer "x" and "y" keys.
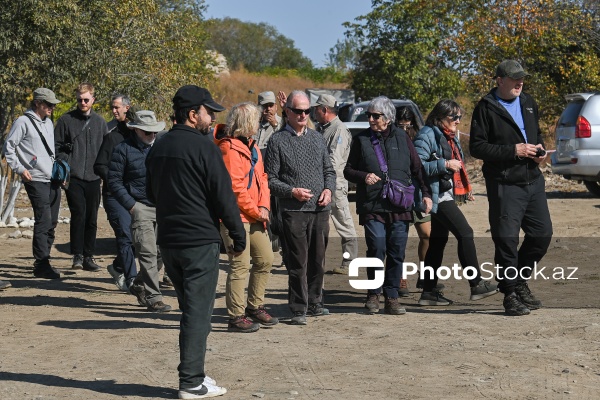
{"x": 192, "y": 95}
{"x": 510, "y": 68}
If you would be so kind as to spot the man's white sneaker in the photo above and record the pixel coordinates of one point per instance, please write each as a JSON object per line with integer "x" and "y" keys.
{"x": 203, "y": 391}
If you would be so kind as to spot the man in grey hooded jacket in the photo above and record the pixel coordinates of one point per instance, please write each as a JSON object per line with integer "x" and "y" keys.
{"x": 26, "y": 154}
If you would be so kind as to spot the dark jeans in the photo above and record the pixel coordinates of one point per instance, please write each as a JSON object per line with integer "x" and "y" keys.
{"x": 449, "y": 218}
{"x": 513, "y": 208}
{"x": 387, "y": 242}
{"x": 194, "y": 272}
{"x": 306, "y": 235}
{"x": 84, "y": 199}
{"x": 120, "y": 220}
{"x": 45, "y": 200}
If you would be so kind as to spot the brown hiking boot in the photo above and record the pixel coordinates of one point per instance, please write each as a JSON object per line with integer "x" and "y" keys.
{"x": 261, "y": 316}
{"x": 372, "y": 304}
{"x": 393, "y": 307}
{"x": 403, "y": 291}
{"x": 242, "y": 324}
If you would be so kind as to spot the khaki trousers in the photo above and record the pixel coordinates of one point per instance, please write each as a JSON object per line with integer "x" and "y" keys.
{"x": 256, "y": 261}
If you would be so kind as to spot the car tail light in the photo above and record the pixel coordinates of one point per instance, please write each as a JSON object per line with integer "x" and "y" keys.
{"x": 574, "y": 160}
{"x": 583, "y": 128}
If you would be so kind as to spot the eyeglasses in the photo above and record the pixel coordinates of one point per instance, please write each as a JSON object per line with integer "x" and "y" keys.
{"x": 375, "y": 116}
{"x": 149, "y": 133}
{"x": 83, "y": 100}
{"x": 49, "y": 105}
{"x": 455, "y": 117}
{"x": 405, "y": 126}
{"x": 299, "y": 111}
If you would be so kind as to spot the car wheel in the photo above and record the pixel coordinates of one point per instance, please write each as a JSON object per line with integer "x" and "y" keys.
{"x": 593, "y": 187}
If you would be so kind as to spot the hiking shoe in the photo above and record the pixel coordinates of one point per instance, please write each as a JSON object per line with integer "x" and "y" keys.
{"x": 89, "y": 264}
{"x": 513, "y": 306}
{"x": 77, "y": 261}
{"x": 438, "y": 287}
{"x": 403, "y": 291}
{"x": 343, "y": 270}
{"x": 483, "y": 289}
{"x": 46, "y": 272}
{"x": 526, "y": 297}
{"x": 434, "y": 298}
{"x": 4, "y": 285}
{"x": 372, "y": 303}
{"x": 140, "y": 293}
{"x": 316, "y": 310}
{"x": 118, "y": 278}
{"x": 159, "y": 307}
{"x": 242, "y": 324}
{"x": 203, "y": 391}
{"x": 261, "y": 316}
{"x": 393, "y": 307}
{"x": 299, "y": 318}
{"x": 166, "y": 282}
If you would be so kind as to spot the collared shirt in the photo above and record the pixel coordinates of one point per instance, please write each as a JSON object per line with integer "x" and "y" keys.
{"x": 265, "y": 131}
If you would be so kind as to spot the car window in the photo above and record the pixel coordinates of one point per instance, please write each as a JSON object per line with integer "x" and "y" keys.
{"x": 569, "y": 116}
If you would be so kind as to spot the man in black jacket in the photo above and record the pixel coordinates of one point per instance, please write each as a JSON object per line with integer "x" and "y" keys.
{"x": 123, "y": 269}
{"x": 79, "y": 134}
{"x": 191, "y": 188}
{"x": 506, "y": 135}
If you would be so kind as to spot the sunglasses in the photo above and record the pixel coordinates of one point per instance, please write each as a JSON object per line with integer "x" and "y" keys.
{"x": 299, "y": 111}
{"x": 150, "y": 133}
{"x": 49, "y": 105}
{"x": 83, "y": 100}
{"x": 375, "y": 116}
{"x": 455, "y": 117}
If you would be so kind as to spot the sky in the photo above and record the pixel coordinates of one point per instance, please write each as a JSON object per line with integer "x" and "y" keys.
{"x": 314, "y": 25}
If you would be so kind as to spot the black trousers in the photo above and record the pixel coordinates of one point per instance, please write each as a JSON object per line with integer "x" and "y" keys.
{"x": 449, "y": 218}
{"x": 45, "y": 200}
{"x": 512, "y": 208}
{"x": 306, "y": 235}
{"x": 84, "y": 199}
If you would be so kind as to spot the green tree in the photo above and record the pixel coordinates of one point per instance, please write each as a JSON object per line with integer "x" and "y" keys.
{"x": 254, "y": 47}
{"x": 402, "y": 51}
{"x": 343, "y": 56}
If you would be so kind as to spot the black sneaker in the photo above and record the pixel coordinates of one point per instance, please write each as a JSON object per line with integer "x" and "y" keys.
{"x": 46, "y": 272}
{"x": 299, "y": 318}
{"x": 159, "y": 307}
{"x": 139, "y": 292}
{"x": 434, "y": 298}
{"x": 526, "y": 297}
{"x": 513, "y": 306}
{"x": 483, "y": 290}
{"x": 316, "y": 310}
{"x": 203, "y": 391}
{"x": 393, "y": 307}
{"x": 261, "y": 316}
{"x": 372, "y": 303}
{"x": 90, "y": 265}
{"x": 242, "y": 324}
{"x": 77, "y": 261}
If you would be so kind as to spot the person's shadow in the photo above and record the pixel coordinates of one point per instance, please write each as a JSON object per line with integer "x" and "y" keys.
{"x": 107, "y": 386}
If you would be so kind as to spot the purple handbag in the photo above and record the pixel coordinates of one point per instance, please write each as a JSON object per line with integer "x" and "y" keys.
{"x": 395, "y": 191}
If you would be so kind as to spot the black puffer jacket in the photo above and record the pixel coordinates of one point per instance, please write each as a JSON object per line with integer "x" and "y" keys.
{"x": 494, "y": 135}
{"x": 127, "y": 173}
{"x": 116, "y": 135}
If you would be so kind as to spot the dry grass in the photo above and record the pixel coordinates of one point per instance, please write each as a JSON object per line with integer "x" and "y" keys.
{"x": 242, "y": 86}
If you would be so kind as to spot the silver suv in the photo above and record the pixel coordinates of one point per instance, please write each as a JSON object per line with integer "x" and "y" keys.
{"x": 577, "y": 155}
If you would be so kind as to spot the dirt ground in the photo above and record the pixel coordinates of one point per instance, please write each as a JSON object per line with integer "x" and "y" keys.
{"x": 81, "y": 338}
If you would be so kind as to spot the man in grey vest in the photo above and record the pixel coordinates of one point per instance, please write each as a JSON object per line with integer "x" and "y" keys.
{"x": 338, "y": 139}
{"x": 270, "y": 122}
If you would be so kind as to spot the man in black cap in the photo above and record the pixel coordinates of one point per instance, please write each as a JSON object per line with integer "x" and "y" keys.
{"x": 506, "y": 135}
{"x": 191, "y": 188}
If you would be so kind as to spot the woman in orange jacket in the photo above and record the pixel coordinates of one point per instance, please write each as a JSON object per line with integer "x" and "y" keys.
{"x": 249, "y": 182}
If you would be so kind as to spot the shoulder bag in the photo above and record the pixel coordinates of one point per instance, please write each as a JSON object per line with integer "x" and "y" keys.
{"x": 61, "y": 171}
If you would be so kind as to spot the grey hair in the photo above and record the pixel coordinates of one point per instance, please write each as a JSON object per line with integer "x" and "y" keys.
{"x": 385, "y": 106}
{"x": 243, "y": 119}
{"x": 295, "y": 93}
{"x": 124, "y": 99}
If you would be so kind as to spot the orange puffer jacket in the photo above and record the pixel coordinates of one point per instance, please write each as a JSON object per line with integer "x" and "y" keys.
{"x": 237, "y": 158}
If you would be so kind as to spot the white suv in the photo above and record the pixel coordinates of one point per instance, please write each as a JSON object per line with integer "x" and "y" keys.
{"x": 577, "y": 155}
